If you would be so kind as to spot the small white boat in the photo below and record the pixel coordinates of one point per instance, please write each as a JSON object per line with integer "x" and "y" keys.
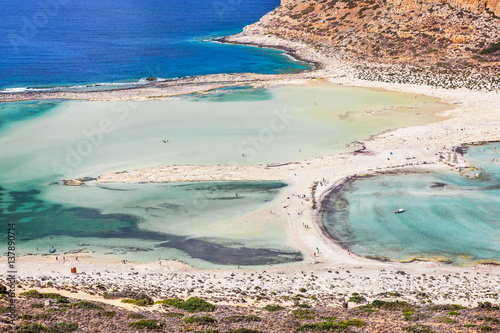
{"x": 399, "y": 210}
{"x": 52, "y": 249}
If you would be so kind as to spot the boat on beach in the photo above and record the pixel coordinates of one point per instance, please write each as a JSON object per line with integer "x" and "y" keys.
{"x": 399, "y": 210}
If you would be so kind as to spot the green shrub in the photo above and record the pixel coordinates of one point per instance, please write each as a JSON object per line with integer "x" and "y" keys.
{"x": 52, "y": 310}
{"x": 304, "y": 305}
{"x": 243, "y": 330}
{"x": 136, "y": 316}
{"x": 446, "y": 307}
{"x": 236, "y": 319}
{"x": 453, "y": 313}
{"x": 26, "y": 317}
{"x": 331, "y": 325}
{"x": 409, "y": 313}
{"x": 150, "y": 324}
{"x": 413, "y": 315}
{"x": 487, "y": 306}
{"x": 31, "y": 328}
{"x": 37, "y": 305}
{"x": 204, "y": 320}
{"x": 272, "y": 308}
{"x": 65, "y": 327}
{"x": 35, "y": 294}
{"x": 208, "y": 331}
{"x": 43, "y": 316}
{"x": 491, "y": 49}
{"x": 368, "y": 308}
{"x": 302, "y": 290}
{"x": 173, "y": 314}
{"x": 192, "y": 304}
{"x": 486, "y": 328}
{"x": 493, "y": 320}
{"x": 125, "y": 294}
{"x": 356, "y": 298}
{"x": 86, "y": 305}
{"x": 32, "y": 294}
{"x": 446, "y": 320}
{"x": 138, "y": 302}
{"x": 353, "y": 323}
{"x": 175, "y": 302}
{"x": 392, "y": 306}
{"x": 324, "y": 326}
{"x": 62, "y": 300}
{"x": 304, "y": 314}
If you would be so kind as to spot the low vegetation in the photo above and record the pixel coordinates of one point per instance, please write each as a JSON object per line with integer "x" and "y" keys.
{"x": 332, "y": 325}
{"x": 356, "y": 298}
{"x": 138, "y": 302}
{"x": 203, "y": 320}
{"x": 64, "y": 327}
{"x": 35, "y": 294}
{"x": 193, "y": 304}
{"x": 237, "y": 319}
{"x": 304, "y": 314}
{"x": 136, "y": 316}
{"x": 272, "y": 308}
{"x": 149, "y": 324}
{"x": 87, "y": 305}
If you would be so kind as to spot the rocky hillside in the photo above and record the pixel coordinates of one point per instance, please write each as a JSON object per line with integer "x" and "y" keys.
{"x": 444, "y": 34}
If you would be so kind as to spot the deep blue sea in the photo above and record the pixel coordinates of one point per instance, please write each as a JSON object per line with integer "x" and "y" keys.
{"x": 46, "y": 43}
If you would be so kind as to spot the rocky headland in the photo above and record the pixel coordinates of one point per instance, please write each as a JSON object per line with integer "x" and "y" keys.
{"x": 443, "y": 43}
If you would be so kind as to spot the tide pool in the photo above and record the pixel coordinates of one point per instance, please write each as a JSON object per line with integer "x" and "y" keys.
{"x": 447, "y": 216}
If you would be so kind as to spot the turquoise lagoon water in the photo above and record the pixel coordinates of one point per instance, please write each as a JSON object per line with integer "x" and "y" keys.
{"x": 448, "y": 216}
{"x": 203, "y": 224}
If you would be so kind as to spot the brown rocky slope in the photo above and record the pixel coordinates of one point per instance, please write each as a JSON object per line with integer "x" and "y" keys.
{"x": 445, "y": 36}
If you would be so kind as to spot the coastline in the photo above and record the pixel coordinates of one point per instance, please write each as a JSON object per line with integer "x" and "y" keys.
{"x": 475, "y": 118}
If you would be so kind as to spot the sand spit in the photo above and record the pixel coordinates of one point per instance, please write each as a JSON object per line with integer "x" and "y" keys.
{"x": 196, "y": 173}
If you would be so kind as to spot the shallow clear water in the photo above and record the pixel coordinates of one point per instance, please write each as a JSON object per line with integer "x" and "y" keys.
{"x": 447, "y": 216}
{"x": 81, "y": 138}
{"x": 203, "y": 224}
{"x": 60, "y": 43}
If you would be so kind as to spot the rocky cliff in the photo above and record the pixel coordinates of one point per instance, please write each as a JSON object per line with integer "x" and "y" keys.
{"x": 446, "y": 34}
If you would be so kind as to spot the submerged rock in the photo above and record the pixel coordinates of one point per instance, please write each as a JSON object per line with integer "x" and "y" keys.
{"x": 73, "y": 182}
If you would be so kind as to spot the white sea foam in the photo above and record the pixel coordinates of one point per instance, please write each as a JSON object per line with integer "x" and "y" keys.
{"x": 140, "y": 82}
